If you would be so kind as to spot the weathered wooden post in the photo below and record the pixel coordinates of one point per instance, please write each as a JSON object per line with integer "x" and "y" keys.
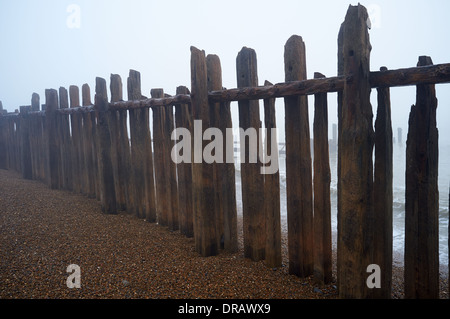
{"x": 169, "y": 125}
{"x": 75, "y": 118}
{"x": 252, "y": 179}
{"x": 161, "y": 170}
{"x": 272, "y": 190}
{"x": 214, "y": 79}
{"x": 124, "y": 160}
{"x": 51, "y": 102}
{"x": 117, "y": 149}
{"x": 26, "y": 120}
{"x": 3, "y": 149}
{"x": 88, "y": 145}
{"x": 202, "y": 172}
{"x": 141, "y": 153}
{"x": 321, "y": 182}
{"x": 105, "y": 169}
{"x": 66, "y": 149}
{"x": 298, "y": 165}
{"x": 383, "y": 196}
{"x": 422, "y": 196}
{"x": 356, "y": 136}
{"x": 183, "y": 119}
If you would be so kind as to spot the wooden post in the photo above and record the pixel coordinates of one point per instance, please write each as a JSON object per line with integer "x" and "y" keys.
{"x": 138, "y": 192}
{"x": 169, "y": 125}
{"x": 124, "y": 160}
{"x": 322, "y": 180}
{"x": 202, "y": 172}
{"x": 74, "y": 95}
{"x": 89, "y": 159}
{"x": 66, "y": 149}
{"x": 117, "y": 149}
{"x": 298, "y": 165}
{"x": 252, "y": 179}
{"x": 272, "y": 191}
{"x": 355, "y": 215}
{"x": 422, "y": 196}
{"x": 183, "y": 119}
{"x": 3, "y": 145}
{"x": 51, "y": 102}
{"x": 26, "y": 162}
{"x": 105, "y": 169}
{"x": 161, "y": 171}
{"x": 214, "y": 79}
{"x": 383, "y": 196}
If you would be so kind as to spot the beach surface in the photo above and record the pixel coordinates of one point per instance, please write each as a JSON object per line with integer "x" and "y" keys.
{"x": 43, "y": 231}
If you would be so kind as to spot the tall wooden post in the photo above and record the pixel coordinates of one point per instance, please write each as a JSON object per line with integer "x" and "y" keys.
{"x": 161, "y": 162}
{"x": 168, "y": 127}
{"x": 105, "y": 169}
{"x": 272, "y": 190}
{"x": 356, "y": 136}
{"x": 214, "y": 79}
{"x": 383, "y": 196}
{"x": 74, "y": 95}
{"x": 202, "y": 172}
{"x": 298, "y": 165}
{"x": 66, "y": 148}
{"x": 252, "y": 179}
{"x": 137, "y": 151}
{"x": 26, "y": 163}
{"x": 422, "y": 196}
{"x": 117, "y": 152}
{"x": 3, "y": 146}
{"x": 183, "y": 119}
{"x": 51, "y": 101}
{"x": 322, "y": 180}
{"x": 89, "y": 158}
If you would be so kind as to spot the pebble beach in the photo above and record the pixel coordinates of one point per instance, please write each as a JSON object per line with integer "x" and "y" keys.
{"x": 43, "y": 231}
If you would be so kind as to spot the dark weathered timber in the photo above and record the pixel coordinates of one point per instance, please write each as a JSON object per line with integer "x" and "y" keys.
{"x": 105, "y": 169}
{"x": 252, "y": 179}
{"x": 140, "y": 142}
{"x": 27, "y": 170}
{"x": 88, "y": 152}
{"x": 202, "y": 172}
{"x": 160, "y": 162}
{"x": 169, "y": 126}
{"x": 382, "y": 190}
{"x": 183, "y": 119}
{"x": 272, "y": 190}
{"x": 321, "y": 182}
{"x": 298, "y": 166}
{"x": 51, "y": 101}
{"x": 116, "y": 146}
{"x": 124, "y": 159}
{"x": 225, "y": 185}
{"x": 228, "y": 183}
{"x": 422, "y": 196}
{"x": 66, "y": 149}
{"x": 356, "y": 138}
{"x": 214, "y": 79}
{"x": 3, "y": 144}
{"x": 75, "y": 118}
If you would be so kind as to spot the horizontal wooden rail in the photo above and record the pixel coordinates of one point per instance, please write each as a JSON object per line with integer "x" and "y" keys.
{"x": 433, "y": 74}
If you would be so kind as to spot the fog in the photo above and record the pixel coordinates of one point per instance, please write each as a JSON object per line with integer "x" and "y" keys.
{"x": 52, "y": 43}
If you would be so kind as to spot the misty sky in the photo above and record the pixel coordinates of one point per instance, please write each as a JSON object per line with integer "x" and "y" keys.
{"x": 53, "y": 43}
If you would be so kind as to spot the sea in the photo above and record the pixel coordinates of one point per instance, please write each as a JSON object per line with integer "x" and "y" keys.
{"x": 399, "y": 161}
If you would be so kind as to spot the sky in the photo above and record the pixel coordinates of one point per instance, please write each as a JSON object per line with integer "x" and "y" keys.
{"x": 52, "y": 43}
